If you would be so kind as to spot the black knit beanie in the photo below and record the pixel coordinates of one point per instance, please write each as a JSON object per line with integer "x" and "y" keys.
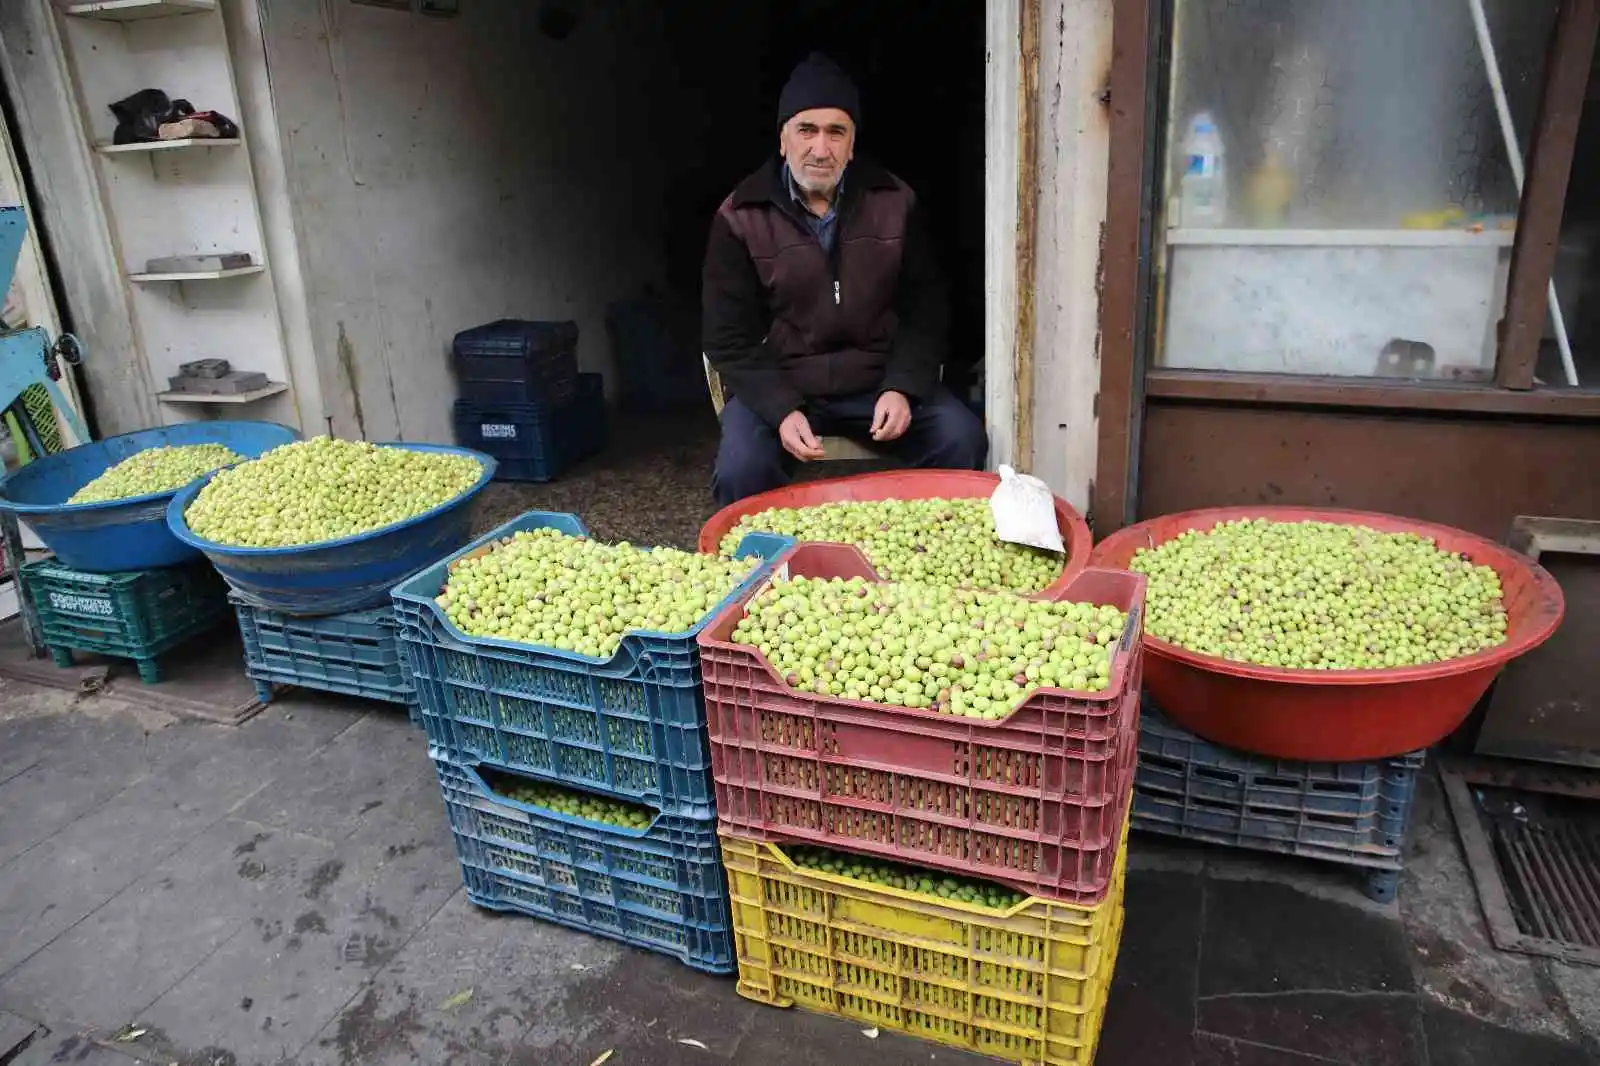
{"x": 818, "y": 82}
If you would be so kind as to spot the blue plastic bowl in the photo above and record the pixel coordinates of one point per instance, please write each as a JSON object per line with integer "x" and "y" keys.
{"x": 348, "y": 574}
{"x": 117, "y": 535}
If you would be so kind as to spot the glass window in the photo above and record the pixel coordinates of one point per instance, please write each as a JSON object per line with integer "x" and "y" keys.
{"x": 1569, "y": 352}
{"x": 1338, "y": 196}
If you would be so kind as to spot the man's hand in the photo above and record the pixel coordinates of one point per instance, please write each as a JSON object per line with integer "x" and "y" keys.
{"x": 798, "y": 440}
{"x": 892, "y": 417}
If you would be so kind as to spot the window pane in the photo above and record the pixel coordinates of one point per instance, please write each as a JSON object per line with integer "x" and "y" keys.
{"x": 1338, "y": 193}
{"x": 1577, "y": 270}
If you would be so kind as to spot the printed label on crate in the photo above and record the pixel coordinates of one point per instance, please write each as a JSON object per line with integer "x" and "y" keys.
{"x": 498, "y": 431}
{"x": 66, "y": 601}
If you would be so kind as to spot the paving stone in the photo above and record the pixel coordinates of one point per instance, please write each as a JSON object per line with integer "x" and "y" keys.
{"x": 795, "y": 1037}
{"x": 1580, "y": 987}
{"x": 528, "y": 981}
{"x": 1296, "y": 942}
{"x": 71, "y": 874}
{"x": 1453, "y": 959}
{"x": 73, "y": 1050}
{"x": 379, "y": 760}
{"x": 309, "y": 947}
{"x": 1458, "y": 1039}
{"x": 1219, "y": 1051}
{"x": 1151, "y": 1013}
{"x": 148, "y": 936}
{"x": 73, "y": 774}
{"x": 15, "y": 1033}
{"x": 1378, "y": 1029}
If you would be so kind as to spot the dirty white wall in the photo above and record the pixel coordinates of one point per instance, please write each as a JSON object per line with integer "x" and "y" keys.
{"x": 71, "y": 215}
{"x": 445, "y": 172}
{"x": 1074, "y": 153}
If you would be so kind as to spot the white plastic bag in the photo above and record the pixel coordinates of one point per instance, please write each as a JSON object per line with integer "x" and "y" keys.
{"x": 1025, "y": 512}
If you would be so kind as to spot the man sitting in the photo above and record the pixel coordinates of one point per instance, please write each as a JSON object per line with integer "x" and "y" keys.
{"x": 823, "y": 309}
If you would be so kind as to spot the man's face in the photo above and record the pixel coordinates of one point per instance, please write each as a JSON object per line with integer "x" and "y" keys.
{"x": 817, "y": 144}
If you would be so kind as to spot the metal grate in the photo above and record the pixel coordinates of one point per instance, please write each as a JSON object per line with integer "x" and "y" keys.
{"x": 1552, "y": 875}
{"x": 1532, "y": 841}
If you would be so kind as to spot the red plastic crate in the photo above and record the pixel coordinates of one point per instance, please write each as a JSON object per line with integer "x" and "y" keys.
{"x": 1035, "y": 800}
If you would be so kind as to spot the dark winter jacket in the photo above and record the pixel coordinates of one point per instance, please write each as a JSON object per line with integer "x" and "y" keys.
{"x": 785, "y": 321}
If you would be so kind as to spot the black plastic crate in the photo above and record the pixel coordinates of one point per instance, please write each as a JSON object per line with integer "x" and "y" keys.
{"x": 1354, "y": 813}
{"x": 514, "y": 361}
{"x": 536, "y": 441}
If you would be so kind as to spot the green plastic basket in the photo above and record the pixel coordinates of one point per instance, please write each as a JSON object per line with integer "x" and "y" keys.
{"x": 136, "y": 614}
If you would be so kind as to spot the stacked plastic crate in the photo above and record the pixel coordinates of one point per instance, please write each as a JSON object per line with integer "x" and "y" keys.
{"x": 585, "y": 739}
{"x": 138, "y": 615}
{"x": 523, "y": 401}
{"x": 1036, "y": 802}
{"x": 356, "y": 653}
{"x": 1353, "y": 813}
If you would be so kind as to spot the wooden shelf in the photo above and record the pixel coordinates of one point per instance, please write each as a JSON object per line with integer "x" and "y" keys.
{"x": 137, "y": 10}
{"x": 271, "y": 388}
{"x": 1342, "y": 238}
{"x": 165, "y": 146}
{"x": 199, "y": 275}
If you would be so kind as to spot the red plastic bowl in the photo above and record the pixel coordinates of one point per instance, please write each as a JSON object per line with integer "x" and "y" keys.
{"x": 1336, "y": 715}
{"x": 900, "y": 485}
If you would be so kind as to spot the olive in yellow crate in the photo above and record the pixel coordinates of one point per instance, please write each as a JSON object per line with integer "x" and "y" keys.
{"x": 946, "y": 542}
{"x": 907, "y": 878}
{"x": 1319, "y": 596}
{"x": 956, "y": 651}
{"x": 153, "y": 470}
{"x": 546, "y": 587}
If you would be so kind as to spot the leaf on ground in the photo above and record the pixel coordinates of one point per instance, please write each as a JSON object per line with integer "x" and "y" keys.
{"x": 870, "y": 1034}
{"x": 601, "y": 1061}
{"x": 693, "y": 1043}
{"x": 129, "y": 1035}
{"x": 460, "y": 999}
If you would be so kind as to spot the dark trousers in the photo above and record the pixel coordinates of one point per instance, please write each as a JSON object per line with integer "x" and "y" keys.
{"x": 944, "y": 434}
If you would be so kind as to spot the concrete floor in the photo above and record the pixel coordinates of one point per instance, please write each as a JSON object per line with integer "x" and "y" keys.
{"x": 285, "y": 891}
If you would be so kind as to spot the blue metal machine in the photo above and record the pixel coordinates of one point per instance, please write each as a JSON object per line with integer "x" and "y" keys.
{"x": 28, "y": 357}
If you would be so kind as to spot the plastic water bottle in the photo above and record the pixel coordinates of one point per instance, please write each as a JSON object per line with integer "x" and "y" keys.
{"x": 1204, "y": 184}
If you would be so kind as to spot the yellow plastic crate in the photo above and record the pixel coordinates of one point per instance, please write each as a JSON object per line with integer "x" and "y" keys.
{"x": 1027, "y": 984}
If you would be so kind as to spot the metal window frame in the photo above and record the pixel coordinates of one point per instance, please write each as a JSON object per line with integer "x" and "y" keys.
{"x": 1138, "y": 71}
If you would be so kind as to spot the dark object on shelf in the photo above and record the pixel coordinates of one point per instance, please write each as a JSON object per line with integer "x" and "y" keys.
{"x": 140, "y": 119}
{"x": 1353, "y": 812}
{"x": 138, "y": 615}
{"x": 517, "y": 361}
{"x": 536, "y": 441}
{"x": 205, "y": 368}
{"x": 229, "y": 384}
{"x": 198, "y": 264}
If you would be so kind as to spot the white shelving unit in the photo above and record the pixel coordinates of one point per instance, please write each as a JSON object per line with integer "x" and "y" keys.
{"x": 169, "y": 277}
{"x": 188, "y": 197}
{"x": 168, "y": 146}
{"x": 137, "y": 10}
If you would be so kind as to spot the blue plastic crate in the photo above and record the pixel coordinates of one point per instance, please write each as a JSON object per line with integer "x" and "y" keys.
{"x": 536, "y": 441}
{"x": 632, "y": 725}
{"x": 357, "y": 653}
{"x": 516, "y": 361}
{"x": 660, "y": 888}
{"x": 1352, "y": 813}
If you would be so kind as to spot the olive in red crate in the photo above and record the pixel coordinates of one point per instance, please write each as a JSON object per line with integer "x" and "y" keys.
{"x": 945, "y": 542}
{"x": 956, "y": 651}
